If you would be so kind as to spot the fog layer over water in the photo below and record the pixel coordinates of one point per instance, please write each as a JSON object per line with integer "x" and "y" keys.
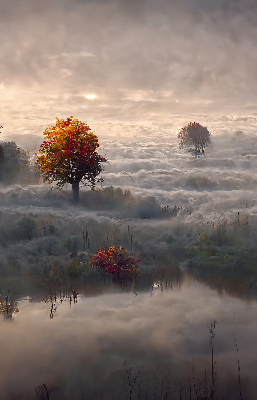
{"x": 81, "y": 351}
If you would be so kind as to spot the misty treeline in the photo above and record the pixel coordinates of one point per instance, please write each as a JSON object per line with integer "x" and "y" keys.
{"x": 69, "y": 155}
{"x": 16, "y": 164}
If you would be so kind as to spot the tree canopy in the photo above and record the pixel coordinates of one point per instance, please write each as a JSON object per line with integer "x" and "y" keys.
{"x": 195, "y": 135}
{"x": 14, "y": 161}
{"x": 69, "y": 154}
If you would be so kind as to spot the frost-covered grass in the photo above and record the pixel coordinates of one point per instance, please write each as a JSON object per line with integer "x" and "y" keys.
{"x": 44, "y": 237}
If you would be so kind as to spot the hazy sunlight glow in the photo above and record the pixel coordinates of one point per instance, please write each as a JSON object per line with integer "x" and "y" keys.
{"x": 90, "y": 96}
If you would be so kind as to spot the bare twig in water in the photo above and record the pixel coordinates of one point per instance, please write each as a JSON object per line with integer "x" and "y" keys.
{"x": 212, "y": 330}
{"x": 238, "y": 363}
{"x": 42, "y": 392}
{"x": 131, "y": 378}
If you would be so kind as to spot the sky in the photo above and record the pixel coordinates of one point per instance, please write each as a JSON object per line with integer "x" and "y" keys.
{"x": 121, "y": 65}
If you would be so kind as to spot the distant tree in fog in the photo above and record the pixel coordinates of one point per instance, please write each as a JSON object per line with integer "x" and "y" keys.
{"x": 14, "y": 161}
{"x": 68, "y": 155}
{"x": 194, "y": 135}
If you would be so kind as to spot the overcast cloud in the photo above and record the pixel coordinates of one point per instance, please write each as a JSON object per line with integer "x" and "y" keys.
{"x": 139, "y": 59}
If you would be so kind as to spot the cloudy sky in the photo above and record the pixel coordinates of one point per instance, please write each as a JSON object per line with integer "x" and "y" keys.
{"x": 120, "y": 62}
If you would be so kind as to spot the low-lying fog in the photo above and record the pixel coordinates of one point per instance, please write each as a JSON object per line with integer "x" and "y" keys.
{"x": 174, "y": 212}
{"x": 80, "y": 353}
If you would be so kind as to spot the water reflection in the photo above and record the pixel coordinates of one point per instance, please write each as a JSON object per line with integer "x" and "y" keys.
{"x": 7, "y": 307}
{"x": 162, "y": 335}
{"x": 42, "y": 393}
{"x": 55, "y": 299}
{"x": 165, "y": 278}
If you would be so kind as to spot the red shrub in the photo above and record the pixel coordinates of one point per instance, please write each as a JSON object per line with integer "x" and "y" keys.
{"x": 117, "y": 262}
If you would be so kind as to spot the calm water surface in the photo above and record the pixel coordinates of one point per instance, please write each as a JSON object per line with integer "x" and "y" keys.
{"x": 162, "y": 336}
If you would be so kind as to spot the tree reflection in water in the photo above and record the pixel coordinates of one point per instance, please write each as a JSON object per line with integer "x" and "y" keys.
{"x": 7, "y": 307}
{"x": 165, "y": 278}
{"x": 42, "y": 393}
{"x": 166, "y": 325}
{"x": 55, "y": 299}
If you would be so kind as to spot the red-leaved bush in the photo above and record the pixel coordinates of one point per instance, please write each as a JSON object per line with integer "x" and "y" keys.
{"x": 117, "y": 262}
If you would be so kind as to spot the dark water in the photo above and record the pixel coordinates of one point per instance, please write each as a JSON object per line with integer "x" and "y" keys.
{"x": 162, "y": 336}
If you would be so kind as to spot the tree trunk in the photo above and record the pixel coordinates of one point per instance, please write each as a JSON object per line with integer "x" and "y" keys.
{"x": 75, "y": 191}
{"x": 196, "y": 151}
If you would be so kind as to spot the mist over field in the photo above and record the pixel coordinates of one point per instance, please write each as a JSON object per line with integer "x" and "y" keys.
{"x": 136, "y": 72}
{"x": 161, "y": 195}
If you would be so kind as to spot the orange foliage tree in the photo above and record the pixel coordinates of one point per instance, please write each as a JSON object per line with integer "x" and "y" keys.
{"x": 195, "y": 135}
{"x": 69, "y": 154}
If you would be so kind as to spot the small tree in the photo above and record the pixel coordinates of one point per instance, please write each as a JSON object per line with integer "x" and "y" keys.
{"x": 195, "y": 135}
{"x": 68, "y": 155}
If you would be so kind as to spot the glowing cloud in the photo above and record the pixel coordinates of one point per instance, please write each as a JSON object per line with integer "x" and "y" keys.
{"x": 90, "y": 96}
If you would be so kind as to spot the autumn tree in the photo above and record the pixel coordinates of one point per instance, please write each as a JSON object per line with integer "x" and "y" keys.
{"x": 195, "y": 135}
{"x": 69, "y": 155}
